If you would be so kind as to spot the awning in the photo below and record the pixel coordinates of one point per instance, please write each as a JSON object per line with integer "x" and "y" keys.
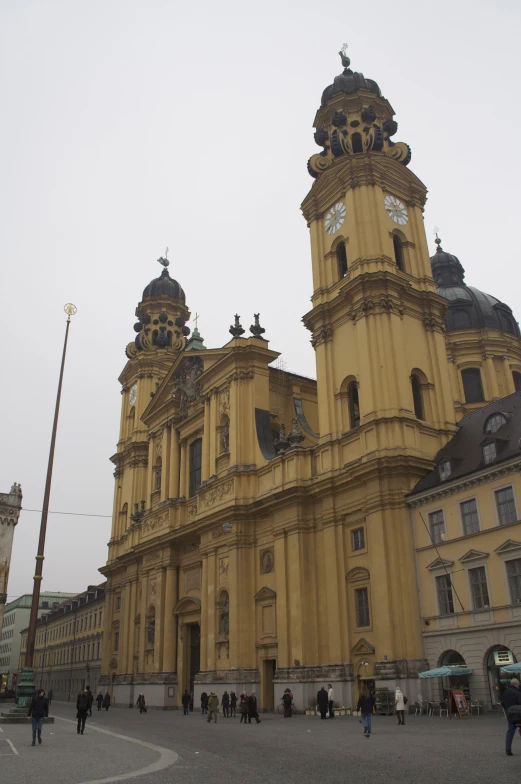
{"x": 446, "y": 672}
{"x": 511, "y": 668}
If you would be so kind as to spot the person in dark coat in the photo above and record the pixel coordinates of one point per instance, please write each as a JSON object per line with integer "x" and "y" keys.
{"x": 243, "y": 707}
{"x": 287, "y": 699}
{"x": 38, "y": 710}
{"x": 365, "y": 706}
{"x": 82, "y": 709}
{"x": 99, "y": 700}
{"x": 511, "y": 696}
{"x": 225, "y": 702}
{"x": 204, "y": 702}
{"x": 91, "y": 699}
{"x": 252, "y": 708}
{"x": 185, "y": 699}
{"x": 50, "y": 696}
{"x": 106, "y": 701}
{"x": 323, "y": 702}
{"x": 141, "y": 703}
{"x": 233, "y": 703}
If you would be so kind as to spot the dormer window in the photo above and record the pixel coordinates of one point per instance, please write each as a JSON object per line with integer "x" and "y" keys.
{"x": 494, "y": 422}
{"x": 445, "y": 470}
{"x": 489, "y": 452}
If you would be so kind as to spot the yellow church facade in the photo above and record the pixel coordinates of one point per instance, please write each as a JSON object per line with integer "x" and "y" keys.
{"x": 261, "y": 535}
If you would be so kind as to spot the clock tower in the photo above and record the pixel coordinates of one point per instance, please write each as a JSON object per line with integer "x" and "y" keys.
{"x": 377, "y": 321}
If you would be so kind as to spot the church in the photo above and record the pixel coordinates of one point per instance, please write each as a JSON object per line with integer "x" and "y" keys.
{"x": 261, "y": 533}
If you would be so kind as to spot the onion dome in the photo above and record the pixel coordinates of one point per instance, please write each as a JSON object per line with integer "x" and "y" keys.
{"x": 469, "y": 307}
{"x": 349, "y": 82}
{"x": 164, "y": 285}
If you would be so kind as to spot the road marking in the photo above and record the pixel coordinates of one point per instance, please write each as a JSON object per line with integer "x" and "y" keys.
{"x": 1, "y": 730}
{"x": 167, "y": 757}
{"x": 13, "y": 750}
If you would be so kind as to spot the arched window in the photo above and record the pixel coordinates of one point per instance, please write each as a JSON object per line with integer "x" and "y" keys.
{"x": 341, "y": 260}
{"x": 517, "y": 380}
{"x": 157, "y": 474}
{"x": 472, "y": 386}
{"x": 353, "y": 403}
{"x": 398, "y": 253}
{"x": 196, "y": 449}
{"x": 224, "y": 614}
{"x": 417, "y": 396}
{"x": 356, "y": 141}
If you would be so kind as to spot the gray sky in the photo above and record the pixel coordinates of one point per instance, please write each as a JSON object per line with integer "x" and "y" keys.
{"x": 130, "y": 126}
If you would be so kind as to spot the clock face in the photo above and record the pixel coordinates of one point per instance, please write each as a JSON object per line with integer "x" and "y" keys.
{"x": 132, "y": 395}
{"x": 335, "y": 218}
{"x": 396, "y": 210}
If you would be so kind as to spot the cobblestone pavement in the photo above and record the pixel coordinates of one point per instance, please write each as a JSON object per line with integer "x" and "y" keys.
{"x": 300, "y": 749}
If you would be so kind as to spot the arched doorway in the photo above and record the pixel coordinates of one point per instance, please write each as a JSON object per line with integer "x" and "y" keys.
{"x": 188, "y": 612}
{"x": 498, "y": 657}
{"x": 461, "y": 682}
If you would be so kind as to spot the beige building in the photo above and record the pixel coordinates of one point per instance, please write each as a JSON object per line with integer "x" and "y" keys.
{"x": 10, "y": 506}
{"x": 261, "y": 530}
{"x": 69, "y": 644}
{"x": 467, "y": 533}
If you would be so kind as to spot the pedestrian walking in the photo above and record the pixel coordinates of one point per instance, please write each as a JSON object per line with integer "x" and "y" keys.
{"x": 233, "y": 704}
{"x": 225, "y": 702}
{"x": 99, "y": 700}
{"x": 287, "y": 699}
{"x": 82, "y": 709}
{"x": 204, "y": 702}
{"x": 50, "y": 696}
{"x": 331, "y": 701}
{"x": 141, "y": 703}
{"x": 213, "y": 707}
{"x": 399, "y": 703}
{"x": 106, "y": 701}
{"x": 511, "y": 696}
{"x": 91, "y": 699}
{"x": 252, "y": 709}
{"x": 243, "y": 707}
{"x": 322, "y": 702}
{"x": 365, "y": 706}
{"x": 38, "y": 710}
{"x": 185, "y": 699}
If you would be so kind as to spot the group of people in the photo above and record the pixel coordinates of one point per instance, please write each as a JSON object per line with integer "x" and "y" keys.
{"x": 247, "y": 706}
{"x": 39, "y": 710}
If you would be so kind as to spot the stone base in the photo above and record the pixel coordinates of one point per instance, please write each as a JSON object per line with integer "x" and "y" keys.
{"x": 220, "y": 681}
{"x": 305, "y": 682}
{"x": 159, "y": 688}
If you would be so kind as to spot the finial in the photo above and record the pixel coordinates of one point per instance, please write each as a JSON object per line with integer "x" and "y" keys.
{"x": 346, "y": 62}
{"x": 256, "y": 329}
{"x": 164, "y": 259}
{"x": 236, "y": 329}
{"x": 196, "y": 319}
{"x": 70, "y": 310}
{"x": 437, "y": 241}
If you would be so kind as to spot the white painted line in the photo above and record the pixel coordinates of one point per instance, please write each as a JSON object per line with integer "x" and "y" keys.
{"x": 167, "y": 757}
{"x": 1, "y": 730}
{"x": 13, "y": 750}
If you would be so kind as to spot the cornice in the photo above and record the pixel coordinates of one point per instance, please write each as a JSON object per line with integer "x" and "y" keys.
{"x": 477, "y": 479}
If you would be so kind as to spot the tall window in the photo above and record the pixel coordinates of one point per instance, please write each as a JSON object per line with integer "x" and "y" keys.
{"x": 116, "y": 642}
{"x": 445, "y": 597}
{"x": 417, "y": 396}
{"x": 514, "y": 580}
{"x": 341, "y": 260}
{"x": 354, "y": 406}
{"x": 196, "y": 448}
{"x": 469, "y": 517}
{"x": 517, "y": 380}
{"x": 362, "y": 607}
{"x": 479, "y": 588}
{"x": 506, "y": 506}
{"x": 398, "y": 253}
{"x": 358, "y": 539}
{"x": 489, "y": 452}
{"x": 437, "y": 526}
{"x": 472, "y": 386}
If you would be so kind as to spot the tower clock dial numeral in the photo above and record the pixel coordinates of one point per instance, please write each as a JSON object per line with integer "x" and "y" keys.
{"x": 396, "y": 210}
{"x": 335, "y": 218}
{"x": 132, "y": 397}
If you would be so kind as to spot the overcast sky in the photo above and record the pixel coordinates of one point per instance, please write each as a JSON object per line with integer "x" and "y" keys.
{"x": 130, "y": 126}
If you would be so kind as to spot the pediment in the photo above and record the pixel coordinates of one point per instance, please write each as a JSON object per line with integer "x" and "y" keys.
{"x": 473, "y": 555}
{"x": 511, "y": 545}
{"x": 440, "y": 563}
{"x": 362, "y": 647}
{"x": 265, "y": 593}
{"x": 187, "y": 604}
{"x": 358, "y": 574}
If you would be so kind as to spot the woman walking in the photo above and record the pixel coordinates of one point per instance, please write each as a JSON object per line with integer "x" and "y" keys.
{"x": 233, "y": 703}
{"x": 365, "y": 705}
{"x": 252, "y": 708}
{"x": 225, "y": 702}
{"x": 106, "y": 701}
{"x": 243, "y": 707}
{"x": 399, "y": 701}
{"x": 141, "y": 703}
{"x": 99, "y": 700}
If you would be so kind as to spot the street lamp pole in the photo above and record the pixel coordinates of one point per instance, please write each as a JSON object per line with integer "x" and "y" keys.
{"x": 26, "y": 686}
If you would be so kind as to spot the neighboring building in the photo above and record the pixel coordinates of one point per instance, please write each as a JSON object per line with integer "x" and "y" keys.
{"x": 261, "y": 536}
{"x": 467, "y": 529}
{"x": 69, "y": 643}
{"x": 10, "y": 506}
{"x": 16, "y": 618}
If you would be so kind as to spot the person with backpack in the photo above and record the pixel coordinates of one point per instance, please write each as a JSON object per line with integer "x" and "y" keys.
{"x": 400, "y": 702}
{"x": 38, "y": 710}
{"x": 82, "y": 708}
{"x": 511, "y": 697}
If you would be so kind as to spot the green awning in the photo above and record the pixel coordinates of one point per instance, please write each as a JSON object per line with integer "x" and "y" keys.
{"x": 446, "y": 672}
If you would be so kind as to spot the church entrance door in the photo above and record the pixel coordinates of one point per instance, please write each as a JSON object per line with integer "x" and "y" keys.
{"x": 194, "y": 664}
{"x": 267, "y": 675}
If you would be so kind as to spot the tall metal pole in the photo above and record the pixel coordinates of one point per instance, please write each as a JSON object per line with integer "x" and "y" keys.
{"x": 31, "y": 634}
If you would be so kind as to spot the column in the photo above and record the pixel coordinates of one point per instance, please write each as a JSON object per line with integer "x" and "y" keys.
{"x": 210, "y": 598}
{"x": 165, "y": 473}
{"x": 173, "y": 485}
{"x": 491, "y": 377}
{"x": 107, "y": 637}
{"x": 214, "y": 446}
{"x": 334, "y": 621}
{"x": 283, "y": 630}
{"x": 159, "y": 604}
{"x": 205, "y": 472}
{"x": 183, "y": 479}
{"x": 130, "y": 613}
{"x": 151, "y": 445}
{"x": 169, "y": 622}
{"x": 143, "y": 621}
